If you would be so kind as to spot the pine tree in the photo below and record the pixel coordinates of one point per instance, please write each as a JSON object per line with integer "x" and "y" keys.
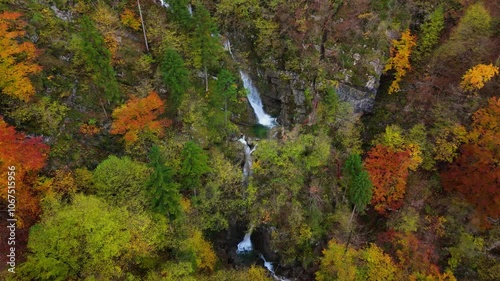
{"x": 207, "y": 47}
{"x": 165, "y": 196}
{"x": 91, "y": 52}
{"x": 359, "y": 186}
{"x": 431, "y": 31}
{"x": 194, "y": 166}
{"x": 174, "y": 73}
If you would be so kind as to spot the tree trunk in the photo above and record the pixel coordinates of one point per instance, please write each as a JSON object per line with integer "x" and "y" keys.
{"x": 350, "y": 232}
{"x": 348, "y": 241}
{"x": 143, "y": 28}
{"x": 206, "y": 79}
{"x": 352, "y": 214}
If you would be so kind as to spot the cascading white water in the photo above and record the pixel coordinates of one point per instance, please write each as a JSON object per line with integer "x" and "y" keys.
{"x": 270, "y": 268}
{"x": 253, "y": 97}
{"x": 190, "y": 10}
{"x": 245, "y": 246}
{"x": 267, "y": 264}
{"x": 227, "y": 47}
{"x": 164, "y": 4}
{"x": 247, "y": 167}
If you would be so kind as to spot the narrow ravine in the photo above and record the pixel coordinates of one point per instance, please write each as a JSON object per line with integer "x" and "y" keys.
{"x": 245, "y": 247}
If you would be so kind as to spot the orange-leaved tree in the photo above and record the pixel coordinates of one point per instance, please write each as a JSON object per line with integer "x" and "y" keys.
{"x": 476, "y": 172}
{"x": 400, "y": 58}
{"x": 16, "y": 59}
{"x": 476, "y": 76}
{"x": 138, "y": 116}
{"x": 25, "y": 156}
{"x": 415, "y": 258}
{"x": 388, "y": 171}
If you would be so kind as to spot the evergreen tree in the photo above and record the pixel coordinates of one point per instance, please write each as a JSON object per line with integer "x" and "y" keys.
{"x": 91, "y": 52}
{"x": 226, "y": 92}
{"x": 194, "y": 166}
{"x": 359, "y": 186}
{"x": 175, "y": 74}
{"x": 207, "y": 47}
{"x": 180, "y": 12}
{"x": 165, "y": 196}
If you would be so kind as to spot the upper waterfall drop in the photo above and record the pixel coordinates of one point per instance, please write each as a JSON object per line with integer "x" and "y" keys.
{"x": 163, "y": 3}
{"x": 253, "y": 95}
{"x": 254, "y": 98}
{"x": 227, "y": 47}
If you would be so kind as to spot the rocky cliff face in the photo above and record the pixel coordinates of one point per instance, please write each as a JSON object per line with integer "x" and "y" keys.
{"x": 287, "y": 98}
{"x": 340, "y": 43}
{"x": 361, "y": 101}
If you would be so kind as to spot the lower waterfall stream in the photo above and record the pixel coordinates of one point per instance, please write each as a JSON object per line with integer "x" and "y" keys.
{"x": 245, "y": 247}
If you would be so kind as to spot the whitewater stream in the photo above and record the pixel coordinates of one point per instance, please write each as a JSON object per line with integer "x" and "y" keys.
{"x": 254, "y": 98}
{"x": 253, "y": 95}
{"x": 246, "y": 246}
{"x": 248, "y": 149}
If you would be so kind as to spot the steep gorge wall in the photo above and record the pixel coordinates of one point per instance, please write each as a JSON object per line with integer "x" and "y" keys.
{"x": 295, "y": 50}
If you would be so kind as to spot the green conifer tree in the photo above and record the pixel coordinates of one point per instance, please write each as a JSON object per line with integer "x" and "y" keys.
{"x": 194, "y": 166}
{"x": 359, "y": 186}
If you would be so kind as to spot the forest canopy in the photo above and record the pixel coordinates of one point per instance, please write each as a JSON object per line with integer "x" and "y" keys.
{"x": 250, "y": 140}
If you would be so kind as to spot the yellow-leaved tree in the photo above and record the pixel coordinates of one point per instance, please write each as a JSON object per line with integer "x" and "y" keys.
{"x": 16, "y": 59}
{"x": 130, "y": 19}
{"x": 477, "y": 76}
{"x": 400, "y": 58}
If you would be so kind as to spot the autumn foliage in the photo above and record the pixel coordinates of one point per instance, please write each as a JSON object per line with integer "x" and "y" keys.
{"x": 130, "y": 19}
{"x": 89, "y": 129}
{"x": 16, "y": 59}
{"x": 400, "y": 58}
{"x": 139, "y": 116}
{"x": 388, "y": 171}
{"x": 415, "y": 258}
{"x": 476, "y": 172}
{"x": 475, "y": 77}
{"x": 28, "y": 155}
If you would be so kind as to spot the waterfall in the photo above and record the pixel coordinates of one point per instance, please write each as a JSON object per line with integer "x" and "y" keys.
{"x": 245, "y": 246}
{"x": 163, "y": 3}
{"x": 267, "y": 264}
{"x": 227, "y": 47}
{"x": 190, "y": 10}
{"x": 270, "y": 268}
{"x": 247, "y": 167}
{"x": 253, "y": 97}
